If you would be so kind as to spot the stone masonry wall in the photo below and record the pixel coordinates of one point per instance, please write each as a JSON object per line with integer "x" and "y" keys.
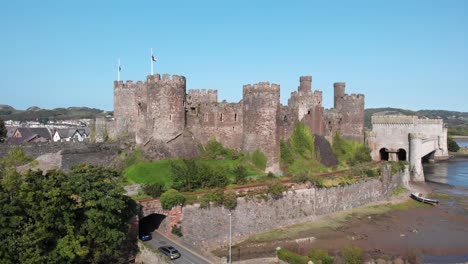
{"x": 71, "y": 153}
{"x": 223, "y": 121}
{"x": 166, "y": 106}
{"x": 210, "y": 227}
{"x": 261, "y": 109}
{"x": 124, "y": 106}
{"x": 351, "y": 108}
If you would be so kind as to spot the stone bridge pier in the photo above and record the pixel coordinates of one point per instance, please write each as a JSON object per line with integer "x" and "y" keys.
{"x": 415, "y": 159}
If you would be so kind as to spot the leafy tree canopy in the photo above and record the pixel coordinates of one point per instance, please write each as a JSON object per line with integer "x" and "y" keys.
{"x": 77, "y": 217}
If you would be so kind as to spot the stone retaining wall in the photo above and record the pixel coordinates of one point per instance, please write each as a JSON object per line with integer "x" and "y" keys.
{"x": 209, "y": 228}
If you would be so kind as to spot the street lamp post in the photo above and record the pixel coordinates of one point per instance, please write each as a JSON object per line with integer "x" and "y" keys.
{"x": 230, "y": 234}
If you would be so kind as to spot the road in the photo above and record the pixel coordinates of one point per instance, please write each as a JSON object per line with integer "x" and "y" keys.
{"x": 187, "y": 256}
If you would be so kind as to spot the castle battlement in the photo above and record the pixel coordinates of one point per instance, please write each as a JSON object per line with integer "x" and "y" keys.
{"x": 353, "y": 97}
{"x": 197, "y": 96}
{"x": 400, "y": 119}
{"x": 261, "y": 86}
{"x": 127, "y": 85}
{"x": 166, "y": 78}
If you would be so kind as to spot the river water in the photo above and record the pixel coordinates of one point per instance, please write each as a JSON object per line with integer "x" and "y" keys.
{"x": 450, "y": 178}
{"x": 453, "y": 172}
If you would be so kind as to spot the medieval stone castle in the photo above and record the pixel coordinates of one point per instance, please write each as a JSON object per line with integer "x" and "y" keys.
{"x": 160, "y": 110}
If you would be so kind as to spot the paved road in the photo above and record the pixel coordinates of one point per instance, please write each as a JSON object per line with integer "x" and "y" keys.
{"x": 187, "y": 256}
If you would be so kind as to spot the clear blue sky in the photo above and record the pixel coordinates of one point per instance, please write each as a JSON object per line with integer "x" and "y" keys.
{"x": 408, "y": 54}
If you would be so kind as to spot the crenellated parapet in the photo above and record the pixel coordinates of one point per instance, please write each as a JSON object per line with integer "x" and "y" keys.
{"x": 197, "y": 96}
{"x": 128, "y": 85}
{"x": 261, "y": 88}
{"x": 166, "y": 78}
{"x": 401, "y": 119}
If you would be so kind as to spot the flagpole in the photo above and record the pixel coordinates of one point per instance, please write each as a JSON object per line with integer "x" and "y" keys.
{"x": 151, "y": 58}
{"x": 118, "y": 71}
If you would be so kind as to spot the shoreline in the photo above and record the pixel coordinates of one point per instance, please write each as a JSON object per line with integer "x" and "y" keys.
{"x": 460, "y": 137}
{"x": 427, "y": 230}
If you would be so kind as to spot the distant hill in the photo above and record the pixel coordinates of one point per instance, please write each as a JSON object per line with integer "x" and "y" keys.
{"x": 35, "y": 113}
{"x": 451, "y": 118}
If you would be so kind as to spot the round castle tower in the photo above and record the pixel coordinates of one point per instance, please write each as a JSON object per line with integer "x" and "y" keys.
{"x": 124, "y": 107}
{"x": 261, "y": 109}
{"x": 165, "y": 110}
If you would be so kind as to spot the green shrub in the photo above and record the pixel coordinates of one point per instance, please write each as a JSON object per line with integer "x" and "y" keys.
{"x": 230, "y": 200}
{"x": 153, "y": 189}
{"x": 286, "y": 154}
{"x": 371, "y": 172}
{"x": 291, "y": 257}
{"x": 302, "y": 141}
{"x": 350, "y": 152}
{"x": 301, "y": 177}
{"x": 352, "y": 254}
{"x": 258, "y": 159}
{"x": 205, "y": 200}
{"x": 15, "y": 157}
{"x": 317, "y": 181}
{"x": 317, "y": 255}
{"x": 275, "y": 188}
{"x": 171, "y": 198}
{"x": 452, "y": 145}
{"x": 176, "y": 230}
{"x": 240, "y": 174}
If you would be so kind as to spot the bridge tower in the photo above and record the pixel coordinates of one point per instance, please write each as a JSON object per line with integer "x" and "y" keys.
{"x": 416, "y": 169}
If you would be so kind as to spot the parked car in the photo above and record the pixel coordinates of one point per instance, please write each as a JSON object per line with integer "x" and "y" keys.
{"x": 145, "y": 236}
{"x": 169, "y": 251}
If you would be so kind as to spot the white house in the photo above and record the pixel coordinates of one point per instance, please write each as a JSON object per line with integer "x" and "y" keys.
{"x": 70, "y": 134}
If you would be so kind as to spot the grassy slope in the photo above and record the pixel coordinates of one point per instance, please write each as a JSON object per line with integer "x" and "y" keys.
{"x": 160, "y": 171}
{"x": 150, "y": 172}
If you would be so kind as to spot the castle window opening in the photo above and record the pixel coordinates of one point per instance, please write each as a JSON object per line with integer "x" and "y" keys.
{"x": 221, "y": 117}
{"x": 170, "y": 117}
{"x": 235, "y": 118}
{"x": 285, "y": 118}
{"x": 308, "y": 112}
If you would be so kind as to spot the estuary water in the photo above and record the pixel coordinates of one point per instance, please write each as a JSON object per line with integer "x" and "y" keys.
{"x": 453, "y": 172}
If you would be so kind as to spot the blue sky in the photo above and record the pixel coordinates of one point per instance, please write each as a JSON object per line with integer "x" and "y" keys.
{"x": 407, "y": 54}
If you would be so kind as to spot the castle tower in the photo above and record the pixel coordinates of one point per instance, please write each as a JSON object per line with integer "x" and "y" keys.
{"x": 351, "y": 109}
{"x": 124, "y": 108}
{"x": 305, "y": 85}
{"x": 165, "y": 106}
{"x": 261, "y": 109}
{"x": 339, "y": 93}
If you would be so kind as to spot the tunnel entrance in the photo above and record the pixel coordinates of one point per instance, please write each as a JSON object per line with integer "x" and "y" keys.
{"x": 401, "y": 154}
{"x": 383, "y": 154}
{"x": 150, "y": 223}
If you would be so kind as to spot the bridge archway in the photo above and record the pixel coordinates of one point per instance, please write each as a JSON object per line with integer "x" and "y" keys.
{"x": 429, "y": 157}
{"x": 402, "y": 155}
{"x": 150, "y": 223}
{"x": 383, "y": 154}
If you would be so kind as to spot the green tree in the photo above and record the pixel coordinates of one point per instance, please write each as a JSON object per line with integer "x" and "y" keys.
{"x": 3, "y": 130}
{"x": 153, "y": 189}
{"x": 302, "y": 141}
{"x": 258, "y": 159}
{"x": 171, "y": 198}
{"x": 15, "y": 157}
{"x": 276, "y": 189}
{"x": 240, "y": 173}
{"x": 452, "y": 145}
{"x": 81, "y": 217}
